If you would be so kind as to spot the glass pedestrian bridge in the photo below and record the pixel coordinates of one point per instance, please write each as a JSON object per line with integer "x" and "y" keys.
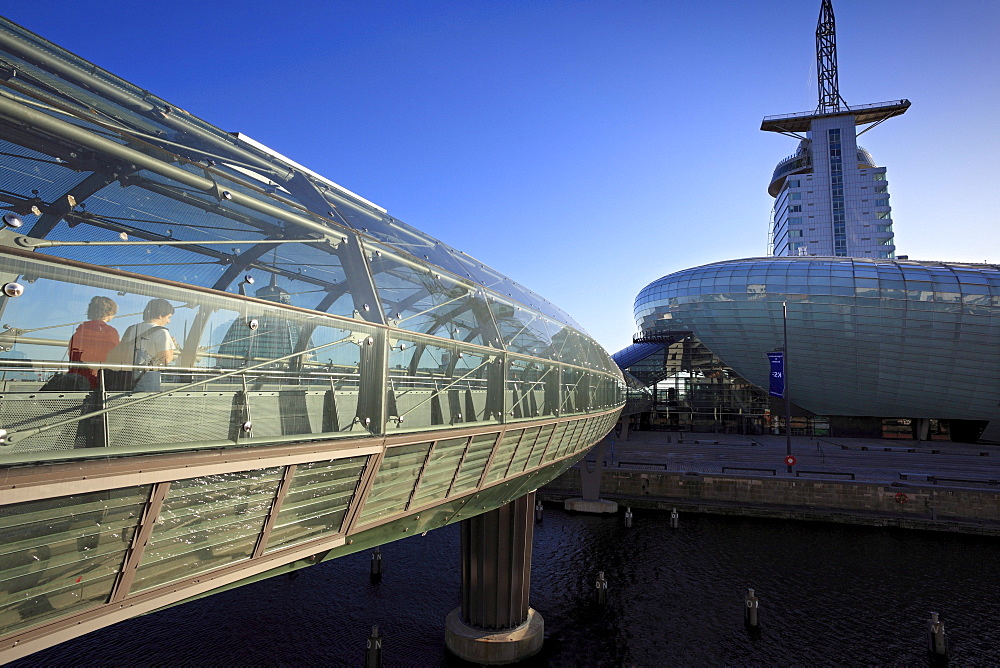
{"x": 217, "y": 365}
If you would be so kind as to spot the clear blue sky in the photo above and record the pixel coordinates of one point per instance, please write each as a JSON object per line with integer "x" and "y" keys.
{"x": 583, "y": 148}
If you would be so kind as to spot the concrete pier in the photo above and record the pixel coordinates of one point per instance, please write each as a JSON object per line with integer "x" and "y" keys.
{"x": 495, "y": 625}
{"x": 590, "y": 500}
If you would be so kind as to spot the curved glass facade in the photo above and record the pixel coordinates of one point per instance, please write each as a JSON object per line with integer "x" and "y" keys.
{"x": 865, "y": 337}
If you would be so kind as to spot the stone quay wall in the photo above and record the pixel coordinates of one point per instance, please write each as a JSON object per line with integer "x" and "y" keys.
{"x": 906, "y": 505}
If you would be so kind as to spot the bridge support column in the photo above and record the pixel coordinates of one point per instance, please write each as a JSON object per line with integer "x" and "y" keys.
{"x": 494, "y": 624}
{"x": 590, "y": 481}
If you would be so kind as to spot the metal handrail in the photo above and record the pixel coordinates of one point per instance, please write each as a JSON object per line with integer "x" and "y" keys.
{"x": 8, "y": 438}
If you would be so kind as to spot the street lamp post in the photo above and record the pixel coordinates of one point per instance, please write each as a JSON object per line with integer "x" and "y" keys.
{"x": 788, "y": 403}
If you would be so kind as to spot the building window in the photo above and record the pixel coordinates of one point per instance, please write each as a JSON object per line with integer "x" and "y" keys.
{"x": 795, "y": 196}
{"x": 879, "y": 176}
{"x": 837, "y": 193}
{"x": 882, "y": 188}
{"x": 882, "y": 202}
{"x": 883, "y": 215}
{"x": 794, "y": 221}
{"x": 795, "y": 208}
{"x": 794, "y": 183}
{"x": 795, "y": 233}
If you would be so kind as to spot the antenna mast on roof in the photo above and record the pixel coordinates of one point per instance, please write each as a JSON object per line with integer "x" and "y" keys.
{"x": 826, "y": 61}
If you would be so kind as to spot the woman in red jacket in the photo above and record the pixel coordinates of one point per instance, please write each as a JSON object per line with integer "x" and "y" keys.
{"x": 94, "y": 339}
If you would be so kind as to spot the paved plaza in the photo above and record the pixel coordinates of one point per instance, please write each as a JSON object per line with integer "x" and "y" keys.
{"x": 874, "y": 460}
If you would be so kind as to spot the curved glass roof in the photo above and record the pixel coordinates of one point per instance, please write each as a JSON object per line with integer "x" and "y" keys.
{"x": 951, "y": 282}
{"x": 110, "y": 162}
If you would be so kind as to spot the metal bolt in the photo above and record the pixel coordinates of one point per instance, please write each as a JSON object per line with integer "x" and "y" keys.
{"x": 253, "y": 323}
{"x": 13, "y": 289}
{"x": 247, "y": 426}
{"x": 226, "y": 194}
{"x": 12, "y": 220}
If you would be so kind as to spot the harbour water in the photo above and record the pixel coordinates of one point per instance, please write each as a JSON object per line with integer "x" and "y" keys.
{"x": 829, "y": 595}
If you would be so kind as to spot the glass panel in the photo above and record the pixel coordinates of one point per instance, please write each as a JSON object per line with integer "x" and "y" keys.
{"x": 533, "y": 389}
{"x": 571, "y": 438}
{"x": 440, "y": 470}
{"x": 583, "y": 433}
{"x": 435, "y": 383}
{"x": 524, "y": 330}
{"x": 498, "y": 284}
{"x": 555, "y": 446}
{"x": 474, "y": 463}
{"x": 395, "y": 481}
{"x": 317, "y": 500}
{"x": 505, "y": 453}
{"x": 417, "y": 244}
{"x": 62, "y": 555}
{"x": 420, "y": 298}
{"x": 524, "y": 449}
{"x": 574, "y": 386}
{"x": 540, "y": 445}
{"x": 206, "y": 523}
{"x": 75, "y": 332}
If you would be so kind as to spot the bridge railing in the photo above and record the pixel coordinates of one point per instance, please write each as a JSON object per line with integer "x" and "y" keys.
{"x": 241, "y": 371}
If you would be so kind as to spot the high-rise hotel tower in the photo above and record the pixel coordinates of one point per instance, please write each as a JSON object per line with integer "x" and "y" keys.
{"x": 830, "y": 197}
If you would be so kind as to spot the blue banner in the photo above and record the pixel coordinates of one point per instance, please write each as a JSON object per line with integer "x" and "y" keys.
{"x": 777, "y": 360}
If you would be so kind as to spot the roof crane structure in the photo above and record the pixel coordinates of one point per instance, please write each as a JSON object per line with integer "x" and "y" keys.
{"x": 831, "y": 103}
{"x": 826, "y": 61}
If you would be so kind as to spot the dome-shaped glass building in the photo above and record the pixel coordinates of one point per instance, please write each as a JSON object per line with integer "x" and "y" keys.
{"x": 867, "y": 339}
